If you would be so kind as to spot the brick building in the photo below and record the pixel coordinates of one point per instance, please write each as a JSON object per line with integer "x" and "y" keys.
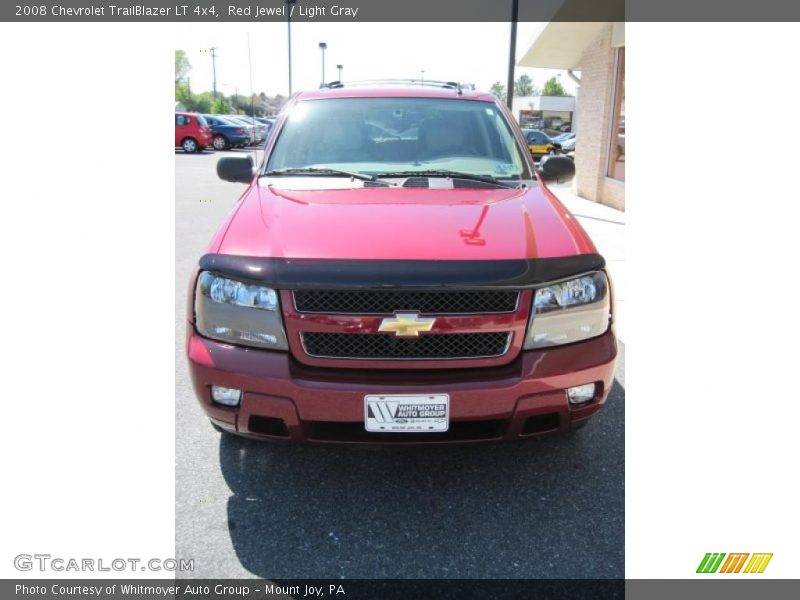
{"x": 594, "y": 53}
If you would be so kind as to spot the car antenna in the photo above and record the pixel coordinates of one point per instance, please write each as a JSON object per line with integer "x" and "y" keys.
{"x": 252, "y": 99}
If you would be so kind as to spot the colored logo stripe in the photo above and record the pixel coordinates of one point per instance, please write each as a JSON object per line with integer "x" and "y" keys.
{"x": 734, "y": 563}
{"x": 710, "y": 562}
{"x": 758, "y": 563}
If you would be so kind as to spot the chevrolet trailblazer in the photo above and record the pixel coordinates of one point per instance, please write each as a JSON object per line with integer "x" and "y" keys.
{"x": 397, "y": 271}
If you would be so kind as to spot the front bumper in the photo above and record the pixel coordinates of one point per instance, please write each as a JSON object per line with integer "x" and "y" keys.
{"x": 286, "y": 400}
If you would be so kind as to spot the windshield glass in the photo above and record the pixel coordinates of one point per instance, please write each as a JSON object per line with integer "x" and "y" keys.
{"x": 398, "y": 135}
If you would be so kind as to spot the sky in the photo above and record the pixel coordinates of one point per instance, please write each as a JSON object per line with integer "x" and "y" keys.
{"x": 466, "y": 52}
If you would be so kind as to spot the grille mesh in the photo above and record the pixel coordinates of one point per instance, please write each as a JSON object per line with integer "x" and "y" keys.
{"x": 367, "y": 346}
{"x": 371, "y": 302}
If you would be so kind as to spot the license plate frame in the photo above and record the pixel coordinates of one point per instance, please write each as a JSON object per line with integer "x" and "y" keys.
{"x": 407, "y": 413}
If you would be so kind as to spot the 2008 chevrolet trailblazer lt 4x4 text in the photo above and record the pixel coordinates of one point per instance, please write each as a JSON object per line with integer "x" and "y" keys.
{"x": 397, "y": 271}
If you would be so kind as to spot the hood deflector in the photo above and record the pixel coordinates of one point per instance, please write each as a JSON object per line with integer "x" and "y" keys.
{"x": 307, "y": 273}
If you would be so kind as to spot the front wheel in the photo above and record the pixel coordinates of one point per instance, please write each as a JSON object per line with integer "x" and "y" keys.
{"x": 219, "y": 142}
{"x": 189, "y": 145}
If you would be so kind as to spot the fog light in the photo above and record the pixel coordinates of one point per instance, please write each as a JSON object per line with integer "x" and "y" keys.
{"x": 226, "y": 396}
{"x": 581, "y": 393}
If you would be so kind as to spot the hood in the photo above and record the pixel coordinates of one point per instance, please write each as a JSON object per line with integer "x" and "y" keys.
{"x": 402, "y": 223}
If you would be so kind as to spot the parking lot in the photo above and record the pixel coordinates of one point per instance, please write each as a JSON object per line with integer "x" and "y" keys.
{"x": 551, "y": 507}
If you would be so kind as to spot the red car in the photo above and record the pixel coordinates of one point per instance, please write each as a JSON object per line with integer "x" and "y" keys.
{"x": 191, "y": 132}
{"x": 397, "y": 271}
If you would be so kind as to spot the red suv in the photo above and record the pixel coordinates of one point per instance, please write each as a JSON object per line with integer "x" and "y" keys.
{"x": 191, "y": 132}
{"x": 397, "y": 271}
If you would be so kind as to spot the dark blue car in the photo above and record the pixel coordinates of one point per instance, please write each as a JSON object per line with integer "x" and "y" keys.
{"x": 227, "y": 134}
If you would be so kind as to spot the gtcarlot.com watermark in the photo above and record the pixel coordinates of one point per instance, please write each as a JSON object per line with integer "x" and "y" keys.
{"x": 46, "y": 562}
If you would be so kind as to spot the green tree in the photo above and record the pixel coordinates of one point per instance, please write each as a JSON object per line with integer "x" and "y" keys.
{"x": 553, "y": 87}
{"x": 182, "y": 67}
{"x": 202, "y": 103}
{"x": 183, "y": 92}
{"x": 183, "y": 95}
{"x": 499, "y": 90}
{"x": 220, "y": 106}
{"x": 523, "y": 86}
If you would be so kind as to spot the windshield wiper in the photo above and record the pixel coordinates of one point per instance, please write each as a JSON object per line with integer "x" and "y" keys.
{"x": 325, "y": 171}
{"x": 447, "y": 173}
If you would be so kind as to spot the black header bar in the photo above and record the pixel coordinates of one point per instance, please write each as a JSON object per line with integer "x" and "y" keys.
{"x": 397, "y": 10}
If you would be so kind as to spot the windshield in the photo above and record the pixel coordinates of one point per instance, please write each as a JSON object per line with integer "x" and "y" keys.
{"x": 381, "y": 136}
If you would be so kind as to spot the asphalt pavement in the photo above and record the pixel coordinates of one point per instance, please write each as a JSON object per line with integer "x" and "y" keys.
{"x": 547, "y": 508}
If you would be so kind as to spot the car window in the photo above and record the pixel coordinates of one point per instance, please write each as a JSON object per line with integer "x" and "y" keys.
{"x": 202, "y": 121}
{"x": 380, "y": 135}
{"x": 180, "y": 120}
{"x": 537, "y": 137}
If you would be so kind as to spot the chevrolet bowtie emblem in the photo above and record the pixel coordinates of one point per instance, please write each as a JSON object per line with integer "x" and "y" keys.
{"x": 406, "y": 324}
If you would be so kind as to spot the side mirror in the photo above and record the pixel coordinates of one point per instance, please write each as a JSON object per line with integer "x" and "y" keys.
{"x": 554, "y": 168}
{"x": 236, "y": 169}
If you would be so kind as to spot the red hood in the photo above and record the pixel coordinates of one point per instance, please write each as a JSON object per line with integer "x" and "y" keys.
{"x": 402, "y": 223}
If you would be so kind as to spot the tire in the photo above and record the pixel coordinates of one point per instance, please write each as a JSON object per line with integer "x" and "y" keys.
{"x": 190, "y": 145}
{"x": 220, "y": 142}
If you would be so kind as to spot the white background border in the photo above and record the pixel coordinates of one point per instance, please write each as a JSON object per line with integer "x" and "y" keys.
{"x": 88, "y": 293}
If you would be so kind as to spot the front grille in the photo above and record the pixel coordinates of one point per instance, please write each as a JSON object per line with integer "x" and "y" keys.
{"x": 377, "y": 302}
{"x": 388, "y": 347}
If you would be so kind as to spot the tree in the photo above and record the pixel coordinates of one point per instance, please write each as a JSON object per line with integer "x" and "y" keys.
{"x": 200, "y": 103}
{"x": 523, "y": 86}
{"x": 553, "y": 87}
{"x": 183, "y": 95}
{"x": 499, "y": 90}
{"x": 182, "y": 67}
{"x": 220, "y": 106}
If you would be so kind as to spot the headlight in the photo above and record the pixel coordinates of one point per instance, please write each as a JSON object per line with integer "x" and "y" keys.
{"x": 237, "y": 312}
{"x": 569, "y": 311}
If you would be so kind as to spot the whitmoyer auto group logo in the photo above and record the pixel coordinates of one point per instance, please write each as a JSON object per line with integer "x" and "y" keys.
{"x": 391, "y": 411}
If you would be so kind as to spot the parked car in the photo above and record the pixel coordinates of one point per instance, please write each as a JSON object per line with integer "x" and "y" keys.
{"x": 191, "y": 132}
{"x": 568, "y": 145}
{"x": 268, "y": 121}
{"x": 564, "y": 137}
{"x": 249, "y": 128}
{"x": 227, "y": 134}
{"x": 539, "y": 143}
{"x": 397, "y": 271}
{"x": 259, "y": 129}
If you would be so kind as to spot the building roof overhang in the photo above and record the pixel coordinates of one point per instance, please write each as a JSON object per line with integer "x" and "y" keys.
{"x": 561, "y": 44}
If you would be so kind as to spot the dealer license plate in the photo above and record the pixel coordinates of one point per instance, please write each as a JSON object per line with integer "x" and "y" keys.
{"x": 407, "y": 414}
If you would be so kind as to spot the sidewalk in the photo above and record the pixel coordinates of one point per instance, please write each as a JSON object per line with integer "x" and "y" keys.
{"x": 606, "y": 227}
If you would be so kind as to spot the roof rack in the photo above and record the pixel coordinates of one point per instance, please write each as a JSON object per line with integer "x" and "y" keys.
{"x": 449, "y": 85}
